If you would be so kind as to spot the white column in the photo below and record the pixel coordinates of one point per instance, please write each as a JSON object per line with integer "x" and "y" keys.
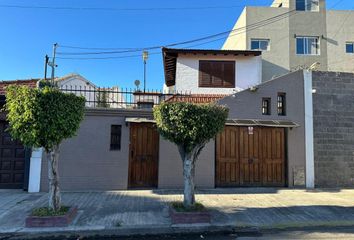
{"x": 35, "y": 170}
{"x": 309, "y": 152}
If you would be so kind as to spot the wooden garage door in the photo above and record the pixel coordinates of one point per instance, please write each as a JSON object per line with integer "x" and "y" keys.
{"x": 12, "y": 160}
{"x": 250, "y": 158}
{"x": 143, "y": 160}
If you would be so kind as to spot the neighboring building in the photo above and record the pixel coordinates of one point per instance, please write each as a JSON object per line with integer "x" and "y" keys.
{"x": 197, "y": 71}
{"x": 294, "y": 34}
{"x": 95, "y": 96}
{"x": 80, "y": 86}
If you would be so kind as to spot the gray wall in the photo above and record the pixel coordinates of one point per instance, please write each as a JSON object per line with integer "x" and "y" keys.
{"x": 170, "y": 166}
{"x": 86, "y": 161}
{"x": 333, "y": 129}
{"x": 247, "y": 105}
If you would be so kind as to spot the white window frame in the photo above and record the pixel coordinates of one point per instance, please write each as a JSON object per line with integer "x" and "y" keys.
{"x": 310, "y": 5}
{"x": 259, "y": 41}
{"x": 346, "y": 43}
{"x": 306, "y": 44}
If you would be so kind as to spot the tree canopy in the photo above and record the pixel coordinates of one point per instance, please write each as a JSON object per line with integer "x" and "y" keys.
{"x": 188, "y": 124}
{"x": 43, "y": 117}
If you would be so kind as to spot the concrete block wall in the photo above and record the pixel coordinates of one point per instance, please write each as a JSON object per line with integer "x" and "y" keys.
{"x": 333, "y": 105}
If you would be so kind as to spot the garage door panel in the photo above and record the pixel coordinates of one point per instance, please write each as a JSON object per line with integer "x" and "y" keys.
{"x": 250, "y": 157}
{"x": 274, "y": 163}
{"x": 12, "y": 160}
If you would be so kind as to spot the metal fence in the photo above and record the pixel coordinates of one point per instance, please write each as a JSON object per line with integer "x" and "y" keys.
{"x": 116, "y": 97}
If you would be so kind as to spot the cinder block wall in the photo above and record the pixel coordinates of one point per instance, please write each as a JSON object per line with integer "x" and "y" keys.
{"x": 333, "y": 105}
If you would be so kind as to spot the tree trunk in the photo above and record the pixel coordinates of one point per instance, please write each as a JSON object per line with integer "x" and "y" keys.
{"x": 53, "y": 176}
{"x": 189, "y": 159}
{"x": 188, "y": 175}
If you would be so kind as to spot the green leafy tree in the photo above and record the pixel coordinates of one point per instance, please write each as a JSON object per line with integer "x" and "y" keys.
{"x": 44, "y": 118}
{"x": 190, "y": 127}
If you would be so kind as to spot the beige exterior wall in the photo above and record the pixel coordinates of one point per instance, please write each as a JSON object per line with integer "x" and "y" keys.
{"x": 247, "y": 105}
{"x": 237, "y": 38}
{"x": 276, "y": 60}
{"x": 334, "y": 29}
{"x": 170, "y": 166}
{"x": 340, "y": 31}
{"x": 305, "y": 23}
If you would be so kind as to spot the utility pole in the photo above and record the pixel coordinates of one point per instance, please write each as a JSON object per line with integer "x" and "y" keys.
{"x": 45, "y": 67}
{"x": 52, "y": 63}
{"x": 145, "y": 57}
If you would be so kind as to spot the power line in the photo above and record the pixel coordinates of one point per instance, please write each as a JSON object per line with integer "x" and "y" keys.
{"x": 92, "y": 58}
{"x": 254, "y": 25}
{"x": 116, "y": 9}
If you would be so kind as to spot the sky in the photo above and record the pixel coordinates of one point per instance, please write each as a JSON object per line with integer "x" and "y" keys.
{"x": 28, "y": 34}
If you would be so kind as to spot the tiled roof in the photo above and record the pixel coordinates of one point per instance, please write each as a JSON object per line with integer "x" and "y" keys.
{"x": 32, "y": 83}
{"x": 196, "y": 98}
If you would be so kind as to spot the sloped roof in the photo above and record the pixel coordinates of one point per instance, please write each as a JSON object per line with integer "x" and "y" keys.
{"x": 32, "y": 83}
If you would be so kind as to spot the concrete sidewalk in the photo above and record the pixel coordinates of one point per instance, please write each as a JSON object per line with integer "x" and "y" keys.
{"x": 124, "y": 212}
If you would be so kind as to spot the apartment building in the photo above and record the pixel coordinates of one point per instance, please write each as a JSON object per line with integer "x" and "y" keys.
{"x": 295, "y": 34}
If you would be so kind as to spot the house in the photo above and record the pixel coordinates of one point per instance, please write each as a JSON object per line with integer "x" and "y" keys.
{"x": 295, "y": 34}
{"x": 201, "y": 71}
{"x": 266, "y": 141}
{"x": 295, "y": 130}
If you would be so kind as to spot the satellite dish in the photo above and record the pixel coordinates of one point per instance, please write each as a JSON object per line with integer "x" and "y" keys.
{"x": 137, "y": 83}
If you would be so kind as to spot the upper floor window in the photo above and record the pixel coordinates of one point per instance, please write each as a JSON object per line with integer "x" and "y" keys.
{"x": 349, "y": 47}
{"x": 260, "y": 44}
{"x": 307, "y": 5}
{"x": 217, "y": 74}
{"x": 281, "y": 101}
{"x": 266, "y": 106}
{"x": 307, "y": 45}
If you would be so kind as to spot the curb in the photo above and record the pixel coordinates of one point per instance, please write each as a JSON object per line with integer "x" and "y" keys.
{"x": 129, "y": 231}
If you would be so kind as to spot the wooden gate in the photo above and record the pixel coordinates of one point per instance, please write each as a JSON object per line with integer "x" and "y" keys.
{"x": 143, "y": 159}
{"x": 12, "y": 160}
{"x": 250, "y": 158}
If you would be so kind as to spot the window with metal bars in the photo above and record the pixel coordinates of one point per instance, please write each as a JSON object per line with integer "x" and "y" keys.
{"x": 116, "y": 134}
{"x": 266, "y": 106}
{"x": 281, "y": 101}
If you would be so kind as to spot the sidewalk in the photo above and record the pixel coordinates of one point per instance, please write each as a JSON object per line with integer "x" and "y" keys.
{"x": 146, "y": 211}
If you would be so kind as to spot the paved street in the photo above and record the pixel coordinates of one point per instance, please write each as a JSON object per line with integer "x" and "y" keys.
{"x": 131, "y": 211}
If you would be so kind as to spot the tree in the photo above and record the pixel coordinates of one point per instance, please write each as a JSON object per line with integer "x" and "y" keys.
{"x": 190, "y": 127}
{"x": 44, "y": 118}
{"x": 102, "y": 98}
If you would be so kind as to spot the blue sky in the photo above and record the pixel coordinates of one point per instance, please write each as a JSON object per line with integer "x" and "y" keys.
{"x": 26, "y": 35}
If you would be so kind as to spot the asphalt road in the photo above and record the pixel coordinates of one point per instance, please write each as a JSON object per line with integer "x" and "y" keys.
{"x": 314, "y": 234}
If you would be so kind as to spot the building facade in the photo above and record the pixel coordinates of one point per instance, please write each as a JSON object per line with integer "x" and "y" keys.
{"x": 296, "y": 34}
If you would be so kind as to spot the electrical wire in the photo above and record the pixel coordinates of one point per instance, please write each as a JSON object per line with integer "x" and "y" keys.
{"x": 117, "y": 9}
{"x": 254, "y": 25}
